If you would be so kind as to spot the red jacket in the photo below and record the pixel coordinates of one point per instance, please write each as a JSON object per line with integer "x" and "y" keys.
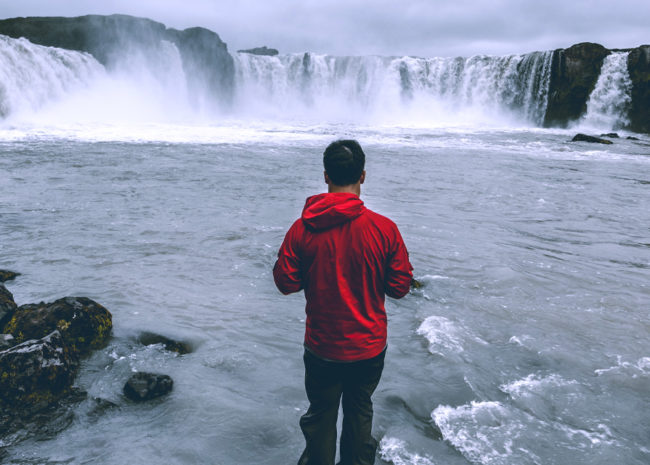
{"x": 346, "y": 258}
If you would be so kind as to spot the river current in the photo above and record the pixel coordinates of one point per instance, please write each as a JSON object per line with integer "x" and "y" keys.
{"x": 527, "y": 344}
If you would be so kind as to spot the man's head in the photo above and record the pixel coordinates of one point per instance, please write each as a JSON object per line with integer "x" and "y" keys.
{"x": 344, "y": 161}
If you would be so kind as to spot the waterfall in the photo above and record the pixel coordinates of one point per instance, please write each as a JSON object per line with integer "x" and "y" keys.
{"x": 32, "y": 75}
{"x": 609, "y": 102}
{"x": 324, "y": 86}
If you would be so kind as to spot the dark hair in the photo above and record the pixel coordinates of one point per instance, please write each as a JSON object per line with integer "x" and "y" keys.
{"x": 344, "y": 161}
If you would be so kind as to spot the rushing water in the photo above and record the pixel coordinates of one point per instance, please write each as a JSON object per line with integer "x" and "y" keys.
{"x": 528, "y": 343}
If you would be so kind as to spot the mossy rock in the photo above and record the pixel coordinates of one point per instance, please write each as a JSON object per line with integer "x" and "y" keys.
{"x": 83, "y": 323}
{"x": 7, "y": 306}
{"x": 6, "y": 275}
{"x": 36, "y": 373}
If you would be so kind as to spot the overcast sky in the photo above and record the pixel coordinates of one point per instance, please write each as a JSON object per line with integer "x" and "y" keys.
{"x": 383, "y": 27}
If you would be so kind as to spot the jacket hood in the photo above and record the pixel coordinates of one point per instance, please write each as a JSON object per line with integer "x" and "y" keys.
{"x": 323, "y": 211}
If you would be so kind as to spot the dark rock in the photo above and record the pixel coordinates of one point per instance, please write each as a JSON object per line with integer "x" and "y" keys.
{"x": 206, "y": 61}
{"x": 84, "y": 324}
{"x": 7, "y": 306}
{"x": 586, "y": 138}
{"x": 147, "y": 386}
{"x": 612, "y": 135}
{"x": 6, "y": 275}
{"x": 36, "y": 373}
{"x": 179, "y": 347}
{"x": 265, "y": 51}
{"x": 415, "y": 284}
{"x": 638, "y": 65}
{"x": 574, "y": 72}
{"x": 6, "y": 341}
{"x": 632, "y": 138}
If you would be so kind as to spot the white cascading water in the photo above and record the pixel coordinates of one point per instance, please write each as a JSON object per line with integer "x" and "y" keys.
{"x": 32, "y": 75}
{"x": 406, "y": 87}
{"x": 609, "y": 102}
{"x": 43, "y": 85}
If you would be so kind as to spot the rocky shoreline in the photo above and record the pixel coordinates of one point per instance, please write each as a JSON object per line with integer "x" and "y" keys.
{"x": 41, "y": 349}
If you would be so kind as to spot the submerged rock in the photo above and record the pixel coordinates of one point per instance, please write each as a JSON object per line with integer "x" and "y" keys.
{"x": 6, "y": 275}
{"x": 632, "y": 138}
{"x": 179, "y": 347}
{"x": 146, "y": 386}
{"x": 613, "y": 135}
{"x": 36, "y": 373}
{"x": 265, "y": 51}
{"x": 83, "y": 323}
{"x": 586, "y": 138}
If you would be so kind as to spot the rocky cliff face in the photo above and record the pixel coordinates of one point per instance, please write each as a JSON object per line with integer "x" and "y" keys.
{"x": 574, "y": 73}
{"x": 638, "y": 64}
{"x": 206, "y": 61}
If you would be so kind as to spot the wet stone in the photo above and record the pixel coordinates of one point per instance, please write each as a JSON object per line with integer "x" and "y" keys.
{"x": 587, "y": 138}
{"x": 7, "y": 306}
{"x": 6, "y": 275}
{"x": 146, "y": 386}
{"x": 179, "y": 347}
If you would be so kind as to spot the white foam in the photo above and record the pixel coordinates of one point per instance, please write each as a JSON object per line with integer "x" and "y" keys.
{"x": 445, "y": 336}
{"x": 482, "y": 431}
{"x": 534, "y": 384}
{"x": 640, "y": 368}
{"x": 394, "y": 451}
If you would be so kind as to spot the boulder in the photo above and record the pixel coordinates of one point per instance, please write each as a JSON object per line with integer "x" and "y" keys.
{"x": 36, "y": 373}
{"x": 632, "y": 138}
{"x": 612, "y": 135}
{"x": 586, "y": 138}
{"x": 638, "y": 65}
{"x": 7, "y": 306}
{"x": 146, "y": 386}
{"x": 574, "y": 72}
{"x": 84, "y": 324}
{"x": 6, "y": 275}
{"x": 264, "y": 51}
{"x": 179, "y": 347}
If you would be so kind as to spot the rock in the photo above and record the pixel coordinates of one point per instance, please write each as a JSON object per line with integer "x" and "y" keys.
{"x": 638, "y": 65}
{"x": 574, "y": 72}
{"x": 179, "y": 347}
{"x": 36, "y": 373}
{"x": 147, "y": 386}
{"x": 632, "y": 138}
{"x": 84, "y": 324}
{"x": 7, "y": 306}
{"x": 6, "y": 341}
{"x": 415, "y": 284}
{"x": 6, "y": 275}
{"x": 612, "y": 135}
{"x": 265, "y": 51}
{"x": 586, "y": 138}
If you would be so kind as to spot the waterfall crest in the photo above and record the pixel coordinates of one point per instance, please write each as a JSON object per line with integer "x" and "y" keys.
{"x": 515, "y": 85}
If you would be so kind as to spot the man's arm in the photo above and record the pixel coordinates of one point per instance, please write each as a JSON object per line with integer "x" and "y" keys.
{"x": 399, "y": 270}
{"x": 286, "y": 272}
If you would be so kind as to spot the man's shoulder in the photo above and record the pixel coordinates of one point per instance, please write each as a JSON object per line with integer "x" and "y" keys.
{"x": 379, "y": 219}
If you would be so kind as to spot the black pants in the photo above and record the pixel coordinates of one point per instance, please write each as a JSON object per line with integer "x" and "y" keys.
{"x": 325, "y": 383}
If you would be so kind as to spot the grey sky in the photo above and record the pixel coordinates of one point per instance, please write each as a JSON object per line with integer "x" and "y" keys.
{"x": 383, "y": 27}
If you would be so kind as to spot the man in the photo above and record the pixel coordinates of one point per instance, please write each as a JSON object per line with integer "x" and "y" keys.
{"x": 346, "y": 258}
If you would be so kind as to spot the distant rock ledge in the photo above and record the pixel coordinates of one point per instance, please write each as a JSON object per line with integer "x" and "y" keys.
{"x": 264, "y": 51}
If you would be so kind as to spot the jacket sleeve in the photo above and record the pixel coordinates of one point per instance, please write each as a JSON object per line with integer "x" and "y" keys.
{"x": 399, "y": 273}
{"x": 287, "y": 272}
